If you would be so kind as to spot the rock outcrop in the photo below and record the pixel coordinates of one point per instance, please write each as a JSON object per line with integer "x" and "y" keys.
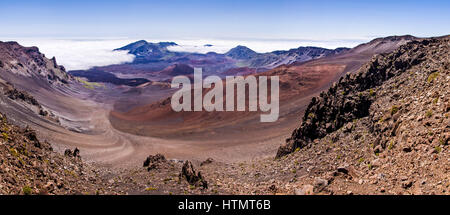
{"x": 30, "y": 166}
{"x": 192, "y": 177}
{"x": 154, "y": 161}
{"x": 28, "y": 100}
{"x": 352, "y": 97}
{"x": 75, "y": 153}
{"x": 29, "y": 62}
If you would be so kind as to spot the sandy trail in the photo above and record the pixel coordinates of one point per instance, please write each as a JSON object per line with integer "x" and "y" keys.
{"x": 105, "y": 145}
{"x": 85, "y": 123}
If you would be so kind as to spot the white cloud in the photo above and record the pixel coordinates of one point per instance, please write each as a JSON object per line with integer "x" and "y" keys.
{"x": 80, "y": 53}
{"x": 85, "y": 53}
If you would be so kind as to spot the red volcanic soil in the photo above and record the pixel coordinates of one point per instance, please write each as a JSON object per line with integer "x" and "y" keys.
{"x": 297, "y": 85}
{"x": 240, "y": 71}
{"x": 178, "y": 69}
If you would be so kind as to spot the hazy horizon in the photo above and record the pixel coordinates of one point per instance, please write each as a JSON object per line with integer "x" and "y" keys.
{"x": 85, "y": 53}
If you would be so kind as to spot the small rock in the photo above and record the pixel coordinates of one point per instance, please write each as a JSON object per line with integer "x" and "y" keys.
{"x": 407, "y": 149}
{"x": 376, "y": 163}
{"x": 75, "y": 153}
{"x": 343, "y": 169}
{"x": 360, "y": 181}
{"x": 68, "y": 152}
{"x": 407, "y": 184}
{"x": 320, "y": 184}
{"x": 330, "y": 175}
{"x": 273, "y": 188}
{"x": 378, "y": 149}
{"x": 348, "y": 128}
{"x": 207, "y": 161}
{"x": 447, "y": 107}
{"x": 305, "y": 190}
{"x": 188, "y": 172}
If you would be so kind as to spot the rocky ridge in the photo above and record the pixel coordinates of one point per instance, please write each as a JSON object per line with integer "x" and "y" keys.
{"x": 352, "y": 97}
{"x": 28, "y": 62}
{"x": 27, "y": 100}
{"x": 29, "y": 166}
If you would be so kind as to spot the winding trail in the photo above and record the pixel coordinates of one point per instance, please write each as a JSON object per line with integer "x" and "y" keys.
{"x": 101, "y": 143}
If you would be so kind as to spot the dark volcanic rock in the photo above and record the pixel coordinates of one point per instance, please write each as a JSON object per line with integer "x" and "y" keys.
{"x": 75, "y": 153}
{"x": 154, "y": 161}
{"x": 188, "y": 172}
{"x": 95, "y": 75}
{"x": 207, "y": 161}
{"x": 29, "y": 166}
{"x": 15, "y": 94}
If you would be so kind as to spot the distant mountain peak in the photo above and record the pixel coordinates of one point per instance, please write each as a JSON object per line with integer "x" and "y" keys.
{"x": 241, "y": 47}
{"x": 140, "y": 45}
{"x": 396, "y": 38}
{"x": 241, "y": 53}
{"x": 167, "y": 44}
{"x": 132, "y": 46}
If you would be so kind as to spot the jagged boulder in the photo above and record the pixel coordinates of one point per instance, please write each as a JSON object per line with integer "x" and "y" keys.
{"x": 25, "y": 157}
{"x": 154, "y": 161}
{"x": 75, "y": 153}
{"x": 15, "y": 94}
{"x": 192, "y": 177}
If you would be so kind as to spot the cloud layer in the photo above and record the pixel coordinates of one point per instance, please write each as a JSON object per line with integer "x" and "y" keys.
{"x": 80, "y": 54}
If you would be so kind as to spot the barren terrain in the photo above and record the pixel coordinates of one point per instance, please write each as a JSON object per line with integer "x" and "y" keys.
{"x": 117, "y": 127}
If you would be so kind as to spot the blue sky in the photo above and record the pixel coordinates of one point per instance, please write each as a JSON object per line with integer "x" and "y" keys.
{"x": 315, "y": 20}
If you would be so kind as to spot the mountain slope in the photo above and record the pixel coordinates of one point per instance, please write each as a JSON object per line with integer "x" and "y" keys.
{"x": 352, "y": 97}
{"x": 241, "y": 53}
{"x": 29, "y": 166}
{"x": 178, "y": 69}
{"x": 30, "y": 62}
{"x": 301, "y": 54}
{"x": 142, "y": 47}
